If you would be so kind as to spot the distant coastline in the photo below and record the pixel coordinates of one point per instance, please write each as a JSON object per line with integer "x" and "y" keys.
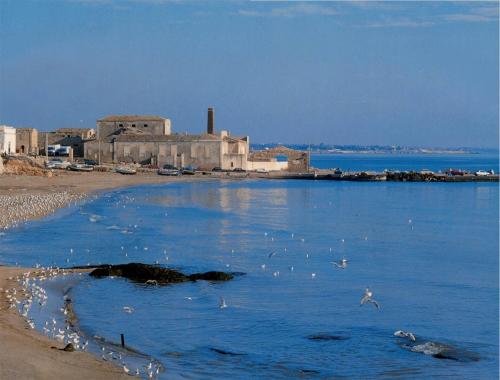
{"x": 375, "y": 149}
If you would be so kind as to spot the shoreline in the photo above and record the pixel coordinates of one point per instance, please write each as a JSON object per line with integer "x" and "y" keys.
{"x": 25, "y": 353}
{"x": 59, "y": 191}
{"x": 17, "y": 339}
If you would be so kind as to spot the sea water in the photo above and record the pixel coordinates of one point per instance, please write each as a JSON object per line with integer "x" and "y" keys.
{"x": 428, "y": 251}
{"x": 471, "y": 162}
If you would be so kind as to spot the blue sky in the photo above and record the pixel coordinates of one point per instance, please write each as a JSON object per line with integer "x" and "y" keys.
{"x": 407, "y": 73}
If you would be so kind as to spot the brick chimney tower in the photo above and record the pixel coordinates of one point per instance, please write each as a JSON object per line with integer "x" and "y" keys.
{"x": 210, "y": 121}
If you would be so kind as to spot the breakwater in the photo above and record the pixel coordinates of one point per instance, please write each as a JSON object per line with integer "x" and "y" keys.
{"x": 389, "y": 177}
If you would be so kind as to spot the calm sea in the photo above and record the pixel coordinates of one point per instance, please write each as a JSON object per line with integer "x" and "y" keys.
{"x": 417, "y": 162}
{"x": 429, "y": 253}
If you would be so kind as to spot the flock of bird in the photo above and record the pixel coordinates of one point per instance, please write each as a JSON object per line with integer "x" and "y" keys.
{"x": 19, "y": 208}
{"x": 29, "y": 292}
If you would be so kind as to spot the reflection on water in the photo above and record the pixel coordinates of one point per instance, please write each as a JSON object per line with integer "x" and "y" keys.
{"x": 429, "y": 252}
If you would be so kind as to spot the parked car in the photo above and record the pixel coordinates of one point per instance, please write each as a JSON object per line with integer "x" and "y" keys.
{"x": 90, "y": 162}
{"x": 455, "y": 172}
{"x": 217, "y": 169}
{"x": 261, "y": 170}
{"x": 239, "y": 170}
{"x": 189, "y": 170}
{"x": 482, "y": 173}
{"x": 57, "y": 163}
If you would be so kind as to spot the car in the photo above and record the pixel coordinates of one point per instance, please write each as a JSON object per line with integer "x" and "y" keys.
{"x": 261, "y": 170}
{"x": 57, "y": 163}
{"x": 90, "y": 162}
{"x": 482, "y": 173}
{"x": 189, "y": 170}
{"x": 217, "y": 169}
{"x": 455, "y": 172}
{"x": 239, "y": 170}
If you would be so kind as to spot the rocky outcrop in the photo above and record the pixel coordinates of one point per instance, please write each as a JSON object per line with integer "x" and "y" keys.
{"x": 154, "y": 274}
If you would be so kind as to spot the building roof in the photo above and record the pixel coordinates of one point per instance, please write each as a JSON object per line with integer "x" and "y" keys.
{"x": 132, "y": 118}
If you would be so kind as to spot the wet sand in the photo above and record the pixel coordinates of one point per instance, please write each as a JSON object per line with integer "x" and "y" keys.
{"x": 27, "y": 354}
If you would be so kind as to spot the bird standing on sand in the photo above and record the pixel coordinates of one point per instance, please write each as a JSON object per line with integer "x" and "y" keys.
{"x": 368, "y": 298}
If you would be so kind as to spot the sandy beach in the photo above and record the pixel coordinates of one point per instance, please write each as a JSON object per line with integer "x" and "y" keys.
{"x": 25, "y": 197}
{"x": 25, "y": 353}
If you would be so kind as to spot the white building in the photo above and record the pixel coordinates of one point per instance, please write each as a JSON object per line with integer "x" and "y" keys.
{"x": 7, "y": 139}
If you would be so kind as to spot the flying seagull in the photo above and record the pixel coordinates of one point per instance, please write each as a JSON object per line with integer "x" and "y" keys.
{"x": 368, "y": 298}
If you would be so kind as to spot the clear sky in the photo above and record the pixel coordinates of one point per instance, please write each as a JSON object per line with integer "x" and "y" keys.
{"x": 407, "y": 73}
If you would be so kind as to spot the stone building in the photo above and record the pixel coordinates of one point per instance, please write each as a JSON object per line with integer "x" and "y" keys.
{"x": 26, "y": 141}
{"x": 151, "y": 125}
{"x": 279, "y": 158}
{"x": 148, "y": 140}
{"x": 7, "y": 139}
{"x": 72, "y": 137}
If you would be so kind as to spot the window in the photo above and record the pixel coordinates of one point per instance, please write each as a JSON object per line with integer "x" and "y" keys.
{"x": 145, "y": 125}
{"x": 133, "y": 125}
{"x": 120, "y": 125}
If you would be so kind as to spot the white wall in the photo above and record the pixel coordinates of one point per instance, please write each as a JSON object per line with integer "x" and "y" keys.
{"x": 267, "y": 165}
{"x": 7, "y": 139}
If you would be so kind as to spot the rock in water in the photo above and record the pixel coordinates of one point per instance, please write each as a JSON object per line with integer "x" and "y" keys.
{"x": 325, "y": 337}
{"x": 144, "y": 272}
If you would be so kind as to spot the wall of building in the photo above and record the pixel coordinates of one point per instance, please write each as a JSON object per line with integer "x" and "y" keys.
{"x": 267, "y": 165}
{"x": 202, "y": 154}
{"x": 150, "y": 127}
{"x": 7, "y": 139}
{"x": 26, "y": 141}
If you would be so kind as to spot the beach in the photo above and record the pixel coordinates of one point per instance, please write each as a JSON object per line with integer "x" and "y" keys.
{"x": 30, "y": 197}
{"x": 25, "y": 353}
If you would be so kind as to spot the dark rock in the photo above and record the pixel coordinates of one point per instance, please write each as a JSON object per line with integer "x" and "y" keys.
{"x": 325, "y": 337}
{"x": 212, "y": 276}
{"x": 223, "y": 352}
{"x": 144, "y": 272}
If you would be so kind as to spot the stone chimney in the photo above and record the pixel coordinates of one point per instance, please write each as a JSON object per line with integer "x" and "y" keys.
{"x": 210, "y": 121}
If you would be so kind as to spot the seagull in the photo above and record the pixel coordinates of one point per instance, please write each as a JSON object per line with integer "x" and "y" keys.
{"x": 126, "y": 369}
{"x": 342, "y": 264}
{"x": 128, "y": 309}
{"x": 368, "y": 298}
{"x": 405, "y": 334}
{"x": 272, "y": 254}
{"x": 222, "y": 304}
